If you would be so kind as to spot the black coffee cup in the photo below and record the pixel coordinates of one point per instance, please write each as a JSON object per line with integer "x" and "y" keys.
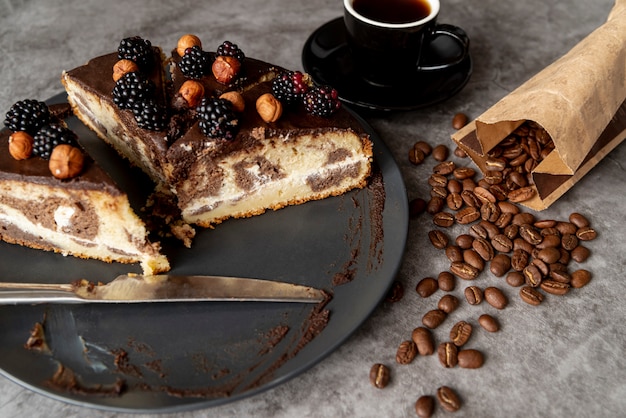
{"x": 390, "y": 40}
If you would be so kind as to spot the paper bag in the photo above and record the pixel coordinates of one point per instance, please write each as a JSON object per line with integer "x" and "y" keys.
{"x": 580, "y": 100}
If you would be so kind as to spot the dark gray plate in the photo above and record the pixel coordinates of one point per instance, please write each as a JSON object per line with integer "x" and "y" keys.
{"x": 173, "y": 357}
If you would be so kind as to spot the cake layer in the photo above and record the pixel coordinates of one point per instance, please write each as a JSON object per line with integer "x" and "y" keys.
{"x": 86, "y": 216}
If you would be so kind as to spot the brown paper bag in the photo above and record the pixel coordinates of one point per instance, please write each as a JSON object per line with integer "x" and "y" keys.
{"x": 580, "y": 100}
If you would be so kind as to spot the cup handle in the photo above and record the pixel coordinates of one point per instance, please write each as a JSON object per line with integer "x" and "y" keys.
{"x": 458, "y": 35}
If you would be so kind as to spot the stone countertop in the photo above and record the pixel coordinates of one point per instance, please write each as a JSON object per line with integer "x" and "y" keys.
{"x": 563, "y": 358}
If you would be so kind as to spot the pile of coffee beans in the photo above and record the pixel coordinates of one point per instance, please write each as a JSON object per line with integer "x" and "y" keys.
{"x": 532, "y": 254}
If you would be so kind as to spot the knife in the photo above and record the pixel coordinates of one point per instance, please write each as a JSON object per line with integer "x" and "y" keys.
{"x": 133, "y": 288}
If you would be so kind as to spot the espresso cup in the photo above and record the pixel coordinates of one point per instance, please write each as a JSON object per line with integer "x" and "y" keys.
{"x": 391, "y": 40}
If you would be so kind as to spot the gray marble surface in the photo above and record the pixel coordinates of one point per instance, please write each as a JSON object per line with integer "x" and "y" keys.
{"x": 564, "y": 358}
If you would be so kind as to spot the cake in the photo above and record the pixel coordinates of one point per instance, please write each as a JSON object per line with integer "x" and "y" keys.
{"x": 229, "y": 136}
{"x": 80, "y": 212}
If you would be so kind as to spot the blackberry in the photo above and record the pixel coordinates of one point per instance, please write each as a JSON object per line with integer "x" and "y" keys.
{"x": 321, "y": 101}
{"x": 49, "y": 136}
{"x": 230, "y": 49}
{"x": 196, "y": 63}
{"x": 136, "y": 49}
{"x": 150, "y": 115}
{"x": 131, "y": 88}
{"x": 217, "y": 118}
{"x": 27, "y": 115}
{"x": 290, "y": 87}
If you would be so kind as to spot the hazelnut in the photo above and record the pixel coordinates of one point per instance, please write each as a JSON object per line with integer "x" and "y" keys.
{"x": 123, "y": 67}
{"x": 20, "y": 145}
{"x": 187, "y": 41}
{"x": 192, "y": 91}
{"x": 66, "y": 161}
{"x": 236, "y": 99}
{"x": 225, "y": 68}
{"x": 269, "y": 108}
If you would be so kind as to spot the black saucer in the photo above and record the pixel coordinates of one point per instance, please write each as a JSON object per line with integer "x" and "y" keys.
{"x": 327, "y": 58}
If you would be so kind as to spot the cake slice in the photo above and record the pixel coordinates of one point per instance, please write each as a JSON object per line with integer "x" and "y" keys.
{"x": 234, "y": 142}
{"x": 85, "y": 215}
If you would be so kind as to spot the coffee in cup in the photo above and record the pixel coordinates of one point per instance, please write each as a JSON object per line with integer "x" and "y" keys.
{"x": 390, "y": 39}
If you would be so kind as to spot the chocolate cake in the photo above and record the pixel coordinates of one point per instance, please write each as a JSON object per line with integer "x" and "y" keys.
{"x": 236, "y": 136}
{"x": 84, "y": 214}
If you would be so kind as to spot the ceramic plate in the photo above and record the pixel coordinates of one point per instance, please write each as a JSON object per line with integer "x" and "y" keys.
{"x": 183, "y": 356}
{"x": 327, "y": 58}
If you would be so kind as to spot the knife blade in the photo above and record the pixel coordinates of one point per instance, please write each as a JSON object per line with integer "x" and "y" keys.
{"x": 133, "y": 288}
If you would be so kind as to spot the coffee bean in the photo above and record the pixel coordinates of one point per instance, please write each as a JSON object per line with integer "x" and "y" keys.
{"x": 438, "y": 239}
{"x": 492, "y": 229}
{"x": 464, "y": 271}
{"x": 549, "y": 255}
{"x": 426, "y": 287}
{"x": 446, "y": 281}
{"x": 454, "y": 201}
{"x": 508, "y": 207}
{"x": 493, "y": 177}
{"x": 470, "y": 199}
{"x": 423, "y": 339}
{"x": 500, "y": 264}
{"x": 460, "y": 152}
{"x": 460, "y": 333}
{"x": 447, "y": 353}
{"x": 522, "y": 194}
{"x": 515, "y": 278}
{"x": 504, "y": 220}
{"x": 407, "y": 350}
{"x": 566, "y": 228}
{"x": 522, "y": 244}
{"x": 554, "y": 288}
{"x": 495, "y": 297}
{"x": 541, "y": 265}
{"x": 586, "y": 233}
{"x": 379, "y": 375}
{"x": 545, "y": 223}
{"x": 565, "y": 256}
{"x": 417, "y": 206}
{"x": 484, "y": 195}
{"x": 437, "y": 180}
{"x": 439, "y": 191}
{"x": 510, "y": 231}
{"x": 473, "y": 295}
{"x": 519, "y": 260}
{"x": 546, "y": 232}
{"x": 416, "y": 156}
{"x": 443, "y": 219}
{"x": 395, "y": 293}
{"x": 454, "y": 253}
{"x": 531, "y": 295}
{"x": 502, "y": 243}
{"x": 580, "y": 254}
{"x": 483, "y": 248}
{"x": 580, "y": 278}
{"x": 435, "y": 205}
{"x": 467, "y": 215}
{"x": 424, "y": 147}
{"x": 464, "y": 241}
{"x": 530, "y": 234}
{"x": 470, "y": 359}
{"x": 523, "y": 218}
{"x": 459, "y": 120}
{"x": 445, "y": 168}
{"x": 448, "y": 399}
{"x": 472, "y": 258}
{"x": 490, "y": 212}
{"x": 569, "y": 242}
{"x": 532, "y": 275}
{"x": 455, "y": 186}
{"x": 478, "y": 231}
{"x": 462, "y": 173}
{"x": 433, "y": 318}
{"x": 441, "y": 152}
{"x": 425, "y": 406}
{"x": 579, "y": 220}
{"x": 489, "y": 323}
{"x": 549, "y": 241}
{"x": 561, "y": 276}
{"x": 495, "y": 164}
{"x": 448, "y": 303}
